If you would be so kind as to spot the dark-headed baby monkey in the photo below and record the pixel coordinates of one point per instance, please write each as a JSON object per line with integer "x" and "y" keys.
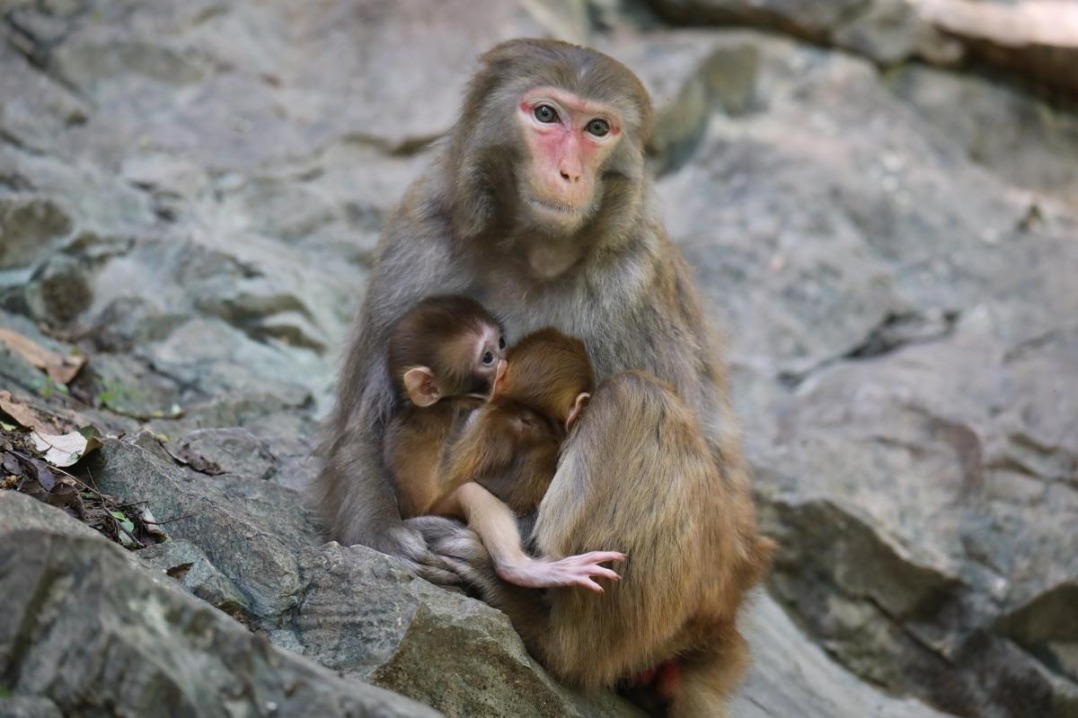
{"x": 451, "y": 454}
{"x": 442, "y": 358}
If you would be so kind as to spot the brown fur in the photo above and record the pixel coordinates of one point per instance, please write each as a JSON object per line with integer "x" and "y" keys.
{"x": 502, "y": 458}
{"x": 656, "y": 495}
{"x": 635, "y": 468}
{"x": 414, "y": 447}
{"x": 511, "y": 447}
{"x": 441, "y": 334}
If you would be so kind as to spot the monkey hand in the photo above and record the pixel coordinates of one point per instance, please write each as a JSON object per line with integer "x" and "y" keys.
{"x": 580, "y": 570}
{"x": 410, "y": 543}
{"x": 452, "y": 549}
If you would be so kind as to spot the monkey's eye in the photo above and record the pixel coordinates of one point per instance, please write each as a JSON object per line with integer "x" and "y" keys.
{"x": 488, "y": 358}
{"x": 501, "y": 342}
{"x": 545, "y": 113}
{"x": 599, "y": 127}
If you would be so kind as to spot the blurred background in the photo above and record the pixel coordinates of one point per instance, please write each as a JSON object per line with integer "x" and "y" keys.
{"x": 879, "y": 199}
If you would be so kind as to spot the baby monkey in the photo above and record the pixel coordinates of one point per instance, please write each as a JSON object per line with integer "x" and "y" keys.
{"x": 442, "y": 357}
{"x": 505, "y": 458}
{"x": 453, "y": 455}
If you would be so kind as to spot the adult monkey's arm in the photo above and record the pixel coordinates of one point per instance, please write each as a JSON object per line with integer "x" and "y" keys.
{"x": 354, "y": 490}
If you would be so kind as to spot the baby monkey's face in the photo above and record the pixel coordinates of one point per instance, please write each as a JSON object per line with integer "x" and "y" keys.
{"x": 491, "y": 356}
{"x": 487, "y": 352}
{"x": 549, "y": 372}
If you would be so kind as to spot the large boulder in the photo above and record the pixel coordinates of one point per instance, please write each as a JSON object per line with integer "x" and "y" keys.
{"x": 1037, "y": 39}
{"x": 90, "y": 632}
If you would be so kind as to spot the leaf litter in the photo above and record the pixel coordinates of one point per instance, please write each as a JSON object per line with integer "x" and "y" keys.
{"x": 39, "y": 459}
{"x": 60, "y": 368}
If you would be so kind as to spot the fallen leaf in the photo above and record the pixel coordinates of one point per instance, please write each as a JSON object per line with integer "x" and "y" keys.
{"x": 61, "y": 369}
{"x": 10, "y": 464}
{"x": 45, "y": 478}
{"x": 27, "y": 415}
{"x": 151, "y": 527}
{"x": 62, "y": 496}
{"x": 125, "y": 523}
{"x": 63, "y": 449}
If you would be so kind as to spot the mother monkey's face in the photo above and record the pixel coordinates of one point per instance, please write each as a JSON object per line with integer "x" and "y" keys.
{"x": 548, "y": 154}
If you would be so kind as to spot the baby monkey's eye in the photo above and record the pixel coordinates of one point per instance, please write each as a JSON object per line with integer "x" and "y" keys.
{"x": 488, "y": 358}
{"x": 501, "y": 342}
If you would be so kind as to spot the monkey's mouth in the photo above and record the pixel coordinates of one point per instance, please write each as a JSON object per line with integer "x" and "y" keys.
{"x": 561, "y": 214}
{"x": 563, "y": 208}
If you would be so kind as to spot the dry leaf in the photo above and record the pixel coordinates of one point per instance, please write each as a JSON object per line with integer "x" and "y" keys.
{"x": 61, "y": 369}
{"x": 64, "y": 449}
{"x": 27, "y": 415}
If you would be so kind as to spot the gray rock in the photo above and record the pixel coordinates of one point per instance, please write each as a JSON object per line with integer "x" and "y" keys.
{"x": 93, "y": 634}
{"x": 933, "y": 522}
{"x": 250, "y": 530}
{"x": 813, "y": 20}
{"x": 60, "y": 291}
{"x": 1035, "y": 38}
{"x": 28, "y": 707}
{"x": 224, "y": 451}
{"x": 189, "y": 566}
{"x": 1047, "y": 626}
{"x": 1023, "y": 139}
{"x": 364, "y": 615}
{"x": 281, "y": 414}
{"x": 30, "y": 227}
{"x": 1032, "y": 37}
{"x": 790, "y": 676}
{"x": 888, "y": 32}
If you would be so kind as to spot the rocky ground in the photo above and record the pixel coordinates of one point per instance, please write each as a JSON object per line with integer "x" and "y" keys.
{"x": 879, "y": 197}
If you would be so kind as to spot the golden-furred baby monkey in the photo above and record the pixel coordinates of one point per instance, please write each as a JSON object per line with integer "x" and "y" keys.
{"x": 504, "y": 460}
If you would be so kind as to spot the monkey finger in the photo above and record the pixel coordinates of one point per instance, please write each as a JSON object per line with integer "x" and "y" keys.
{"x": 444, "y": 577}
{"x": 434, "y": 568}
{"x": 601, "y": 572}
{"x": 478, "y": 579}
{"x": 585, "y": 582}
{"x": 601, "y": 556}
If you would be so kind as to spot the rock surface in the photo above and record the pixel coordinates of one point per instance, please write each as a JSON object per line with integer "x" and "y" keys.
{"x": 190, "y": 194}
{"x": 1035, "y": 39}
{"x": 94, "y": 633}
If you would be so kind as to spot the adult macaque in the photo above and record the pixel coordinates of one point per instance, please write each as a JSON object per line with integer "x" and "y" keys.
{"x": 444, "y": 356}
{"x": 538, "y": 205}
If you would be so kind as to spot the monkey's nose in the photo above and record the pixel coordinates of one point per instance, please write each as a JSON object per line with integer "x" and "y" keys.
{"x": 570, "y": 177}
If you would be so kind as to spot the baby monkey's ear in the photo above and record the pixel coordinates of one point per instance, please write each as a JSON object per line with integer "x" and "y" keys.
{"x": 421, "y": 386}
{"x": 579, "y": 403}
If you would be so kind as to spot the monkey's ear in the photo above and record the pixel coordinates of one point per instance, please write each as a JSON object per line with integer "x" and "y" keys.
{"x": 579, "y": 403}
{"x": 498, "y": 385}
{"x": 421, "y": 386}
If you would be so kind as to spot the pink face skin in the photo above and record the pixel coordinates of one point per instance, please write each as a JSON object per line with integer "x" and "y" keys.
{"x": 568, "y": 139}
